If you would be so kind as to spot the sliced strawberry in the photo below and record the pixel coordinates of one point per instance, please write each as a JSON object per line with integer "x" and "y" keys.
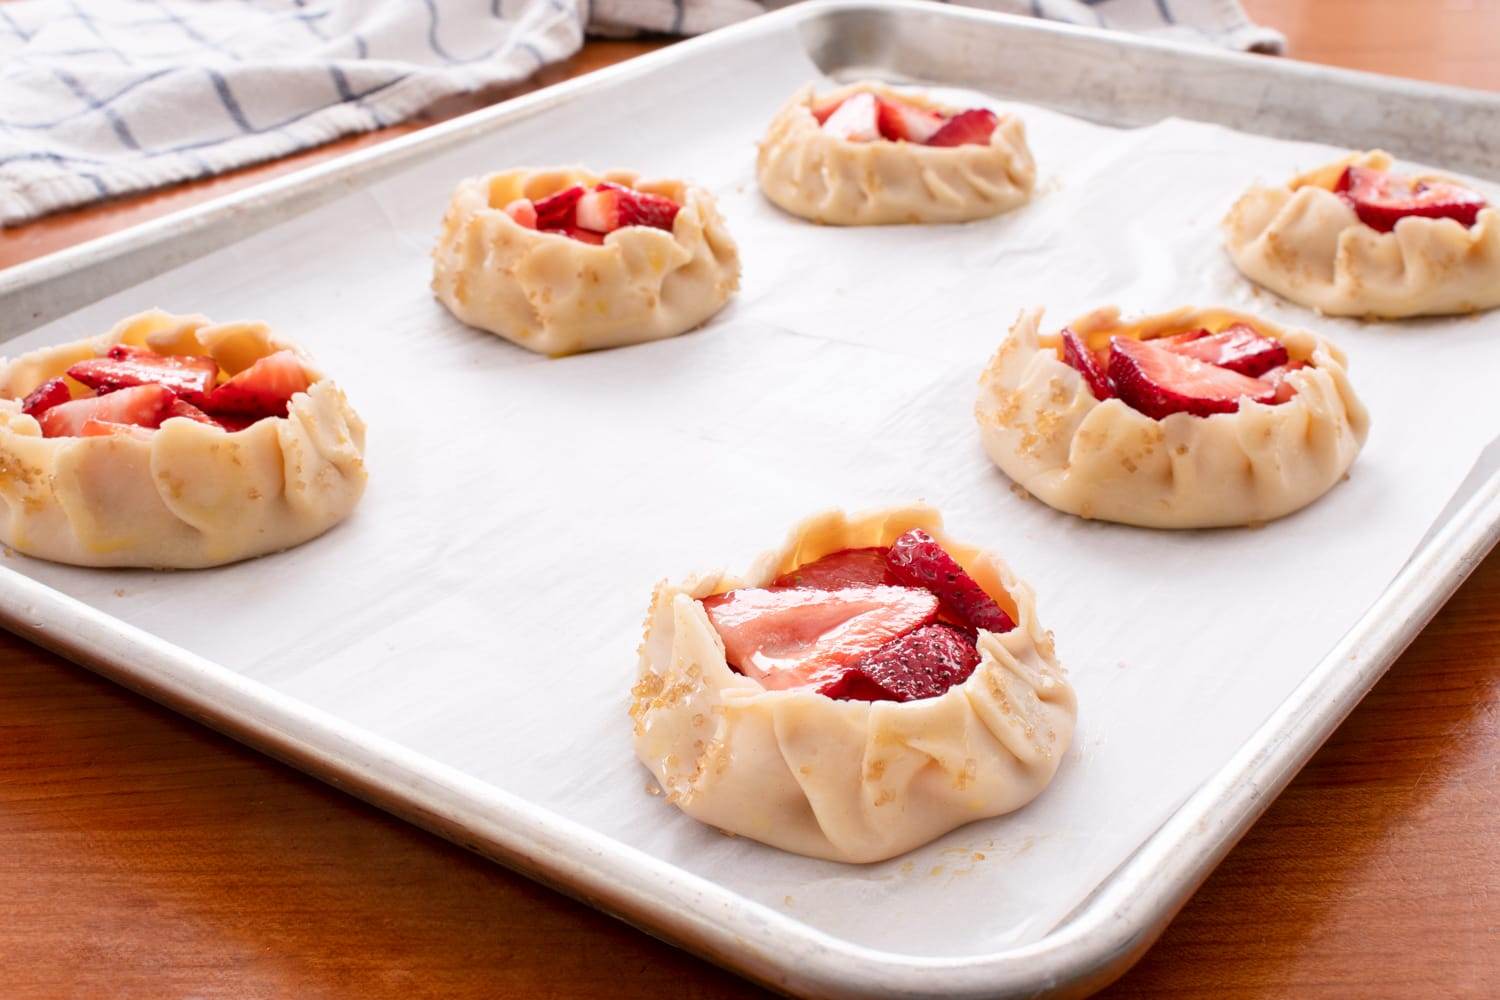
{"x": 899, "y": 121}
{"x": 821, "y": 110}
{"x": 142, "y": 406}
{"x": 582, "y": 235}
{"x": 1182, "y": 338}
{"x": 849, "y": 568}
{"x": 790, "y": 638}
{"x": 189, "y": 376}
{"x": 262, "y": 390}
{"x": 857, "y": 119}
{"x": 45, "y": 396}
{"x": 1381, "y": 198}
{"x": 1159, "y": 382}
{"x": 556, "y": 210}
{"x": 523, "y": 212}
{"x": 921, "y": 664}
{"x": 609, "y": 207}
{"x": 1238, "y": 348}
{"x": 973, "y": 127}
{"x": 1086, "y": 363}
{"x": 1276, "y": 377}
{"x": 107, "y": 428}
{"x": 919, "y": 561}
{"x": 182, "y": 408}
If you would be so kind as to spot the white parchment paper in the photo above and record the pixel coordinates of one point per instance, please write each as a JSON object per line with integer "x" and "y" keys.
{"x": 483, "y": 606}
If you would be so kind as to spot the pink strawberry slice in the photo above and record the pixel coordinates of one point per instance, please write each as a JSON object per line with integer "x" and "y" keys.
{"x": 182, "y": 408}
{"x": 523, "y": 212}
{"x": 857, "y": 119}
{"x": 1381, "y": 198}
{"x": 1238, "y": 348}
{"x": 107, "y": 428}
{"x": 821, "y": 110}
{"x": 918, "y": 560}
{"x": 790, "y": 638}
{"x": 924, "y": 663}
{"x": 142, "y": 406}
{"x": 45, "y": 396}
{"x": 973, "y": 127}
{"x": 581, "y": 235}
{"x": 556, "y": 210}
{"x": 849, "y": 568}
{"x": 1159, "y": 382}
{"x": 262, "y": 390}
{"x": 1276, "y": 377}
{"x": 1086, "y": 363}
{"x": 609, "y": 207}
{"x": 899, "y": 121}
{"x": 189, "y": 376}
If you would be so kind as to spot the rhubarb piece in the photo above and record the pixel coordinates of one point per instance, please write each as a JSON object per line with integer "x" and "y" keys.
{"x": 45, "y": 396}
{"x": 523, "y": 212}
{"x": 189, "y": 376}
{"x": 1159, "y": 382}
{"x": 1086, "y": 363}
{"x": 923, "y": 663}
{"x": 1238, "y": 348}
{"x": 857, "y": 119}
{"x": 142, "y": 406}
{"x": 556, "y": 211}
{"x": 918, "y": 560}
{"x": 1381, "y": 198}
{"x": 609, "y": 207}
{"x": 262, "y": 390}
{"x": 1276, "y": 378}
{"x": 966, "y": 128}
{"x": 790, "y": 638}
{"x": 849, "y": 568}
{"x": 902, "y": 122}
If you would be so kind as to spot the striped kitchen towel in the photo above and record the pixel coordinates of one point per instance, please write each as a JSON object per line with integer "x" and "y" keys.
{"x": 104, "y": 97}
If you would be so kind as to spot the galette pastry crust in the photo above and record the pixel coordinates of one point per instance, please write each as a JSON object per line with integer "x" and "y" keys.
{"x": 1304, "y": 242}
{"x": 1044, "y": 428}
{"x": 187, "y": 495}
{"x": 556, "y": 295}
{"x": 827, "y": 179}
{"x": 847, "y": 780}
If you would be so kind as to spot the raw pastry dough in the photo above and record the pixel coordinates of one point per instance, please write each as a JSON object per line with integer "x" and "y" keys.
{"x": 847, "y": 780}
{"x": 187, "y": 495}
{"x": 556, "y": 295}
{"x": 1042, "y": 425}
{"x": 831, "y": 180}
{"x": 1305, "y": 243}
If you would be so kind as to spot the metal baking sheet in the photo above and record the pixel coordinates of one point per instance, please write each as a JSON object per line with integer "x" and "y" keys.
{"x": 362, "y": 717}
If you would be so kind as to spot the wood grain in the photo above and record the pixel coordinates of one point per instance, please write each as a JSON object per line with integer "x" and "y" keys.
{"x": 147, "y": 857}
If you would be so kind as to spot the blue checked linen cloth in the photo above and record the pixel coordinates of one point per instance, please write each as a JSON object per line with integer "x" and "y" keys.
{"x": 105, "y": 97}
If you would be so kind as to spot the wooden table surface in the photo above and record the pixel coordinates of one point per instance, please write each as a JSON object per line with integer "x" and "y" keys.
{"x": 144, "y": 856}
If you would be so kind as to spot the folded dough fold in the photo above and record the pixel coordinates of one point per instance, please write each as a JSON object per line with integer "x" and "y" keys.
{"x": 847, "y": 780}
{"x": 1044, "y": 428}
{"x": 187, "y": 495}
{"x": 1304, "y": 242}
{"x": 827, "y": 179}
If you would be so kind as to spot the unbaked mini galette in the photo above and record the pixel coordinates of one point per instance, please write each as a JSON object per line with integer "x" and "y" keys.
{"x": 1359, "y": 238}
{"x": 1189, "y": 419}
{"x": 173, "y": 442}
{"x": 563, "y": 260}
{"x": 868, "y": 155}
{"x": 862, "y": 690}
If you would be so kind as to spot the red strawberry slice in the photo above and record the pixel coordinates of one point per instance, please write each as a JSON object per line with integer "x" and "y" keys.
{"x": 581, "y": 235}
{"x": 973, "y": 127}
{"x": 609, "y": 207}
{"x": 189, "y": 376}
{"x": 918, "y": 560}
{"x": 821, "y": 110}
{"x": 924, "y": 663}
{"x": 1238, "y": 348}
{"x": 556, "y": 210}
{"x": 182, "y": 408}
{"x": 899, "y": 121}
{"x": 107, "y": 428}
{"x": 262, "y": 390}
{"x": 522, "y": 212}
{"x": 1182, "y": 338}
{"x": 142, "y": 406}
{"x": 857, "y": 119}
{"x": 790, "y": 638}
{"x": 1276, "y": 377}
{"x": 1086, "y": 363}
{"x": 849, "y": 568}
{"x": 1381, "y": 198}
{"x": 45, "y": 396}
{"x": 1159, "y": 382}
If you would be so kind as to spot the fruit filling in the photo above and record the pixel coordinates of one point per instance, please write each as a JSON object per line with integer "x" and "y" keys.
{"x": 873, "y": 624}
{"x": 1381, "y": 198}
{"x": 590, "y": 214}
{"x": 134, "y": 390}
{"x": 1193, "y": 371}
{"x": 865, "y": 117}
